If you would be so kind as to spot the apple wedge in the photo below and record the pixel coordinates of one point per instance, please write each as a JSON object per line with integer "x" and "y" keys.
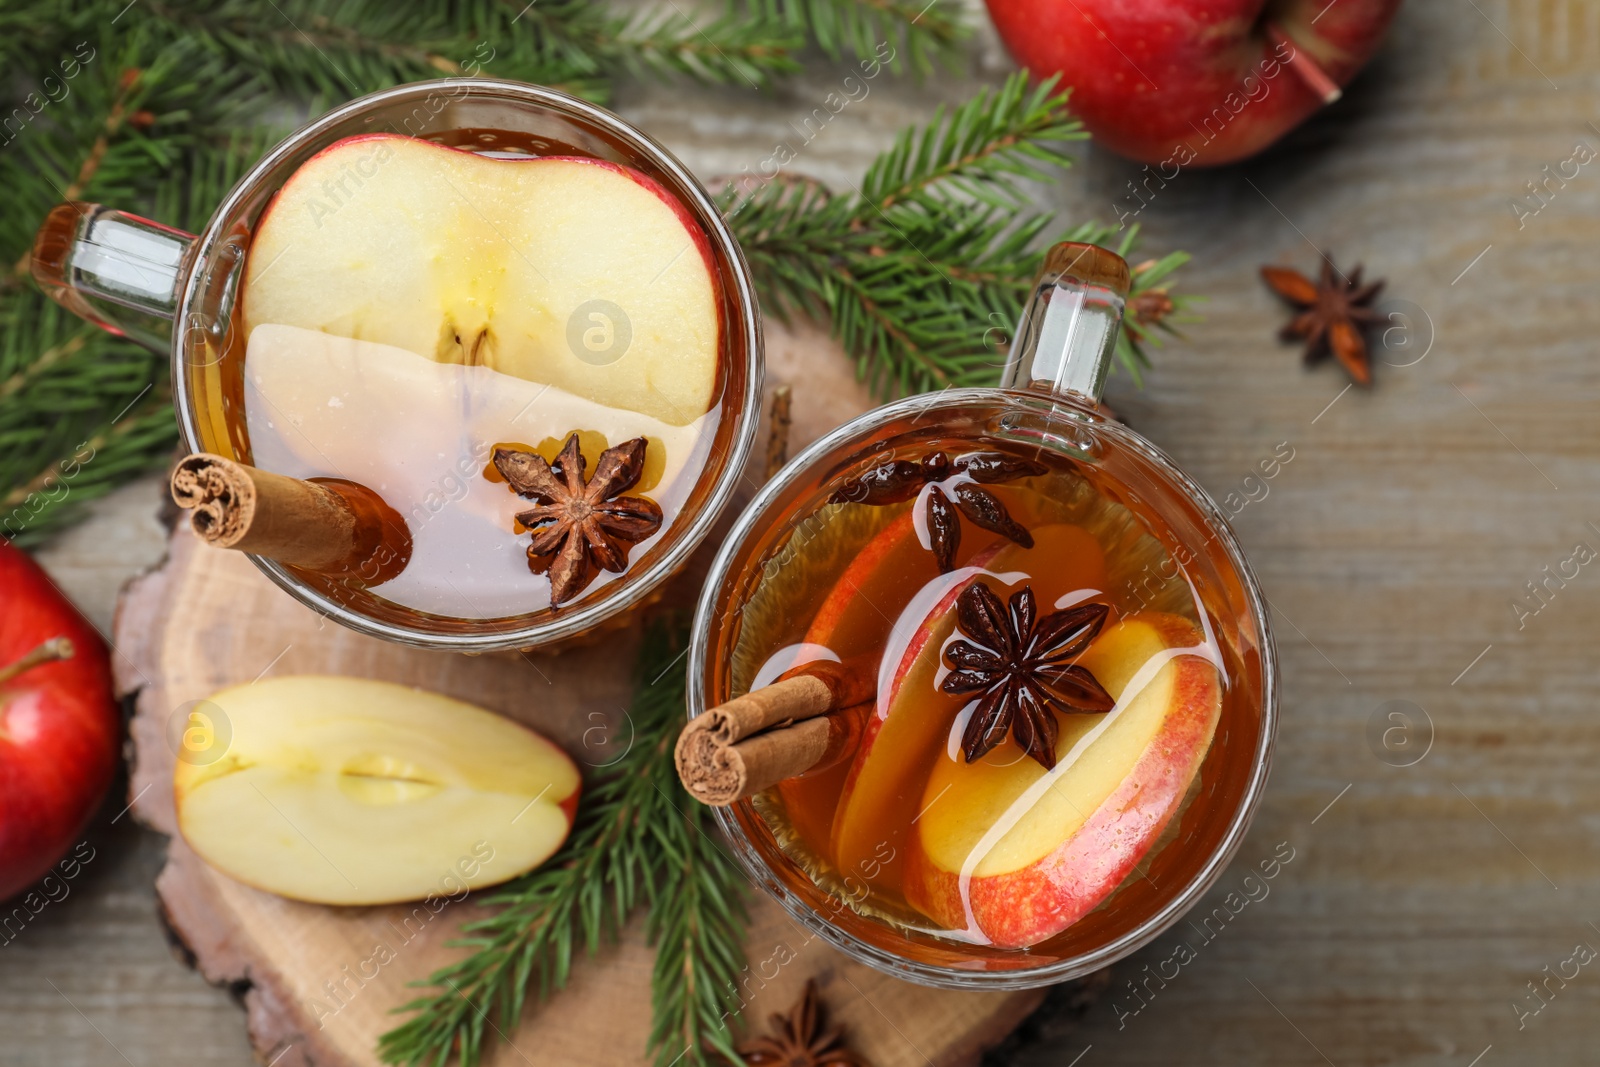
{"x": 1014, "y": 854}
{"x": 576, "y": 273}
{"x": 891, "y": 563}
{"x": 351, "y": 791}
{"x": 882, "y": 795}
{"x": 889, "y": 568}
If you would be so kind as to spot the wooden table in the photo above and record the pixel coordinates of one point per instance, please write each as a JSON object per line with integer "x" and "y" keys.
{"x": 1420, "y": 899}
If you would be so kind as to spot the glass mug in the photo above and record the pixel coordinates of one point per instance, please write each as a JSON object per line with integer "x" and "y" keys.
{"x": 805, "y": 537}
{"x": 172, "y": 291}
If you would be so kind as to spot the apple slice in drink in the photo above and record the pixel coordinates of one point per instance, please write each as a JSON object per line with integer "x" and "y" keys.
{"x": 1017, "y": 854}
{"x": 889, "y": 568}
{"x": 882, "y": 794}
{"x": 891, "y": 561}
{"x": 576, "y": 273}
{"x": 351, "y": 791}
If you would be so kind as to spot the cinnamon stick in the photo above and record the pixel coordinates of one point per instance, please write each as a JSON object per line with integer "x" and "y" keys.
{"x": 795, "y": 725}
{"x": 324, "y": 525}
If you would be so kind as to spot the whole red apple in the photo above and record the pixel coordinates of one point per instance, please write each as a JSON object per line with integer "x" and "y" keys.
{"x": 59, "y": 726}
{"x": 1179, "y": 83}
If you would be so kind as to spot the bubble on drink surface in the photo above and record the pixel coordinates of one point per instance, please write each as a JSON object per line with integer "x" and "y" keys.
{"x": 1399, "y": 733}
{"x": 599, "y": 332}
{"x": 199, "y": 732}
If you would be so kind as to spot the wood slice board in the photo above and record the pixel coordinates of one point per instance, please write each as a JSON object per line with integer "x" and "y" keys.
{"x": 318, "y": 983}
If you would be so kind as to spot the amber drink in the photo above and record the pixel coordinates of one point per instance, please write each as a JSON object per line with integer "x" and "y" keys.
{"x": 1067, "y": 677}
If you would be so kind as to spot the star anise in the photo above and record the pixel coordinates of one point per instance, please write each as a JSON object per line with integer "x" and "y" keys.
{"x": 580, "y": 524}
{"x": 1023, "y": 667}
{"x": 802, "y": 1038}
{"x": 901, "y": 479}
{"x": 1335, "y": 312}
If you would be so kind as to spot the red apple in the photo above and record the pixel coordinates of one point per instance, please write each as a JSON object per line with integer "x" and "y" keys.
{"x": 1176, "y": 83}
{"x": 59, "y": 727}
{"x": 1015, "y": 854}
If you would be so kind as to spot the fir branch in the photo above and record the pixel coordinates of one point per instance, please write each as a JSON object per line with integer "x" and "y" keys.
{"x": 917, "y": 33}
{"x": 321, "y": 51}
{"x": 78, "y": 416}
{"x": 921, "y": 271}
{"x": 727, "y": 50}
{"x": 697, "y": 918}
{"x": 58, "y": 495}
{"x": 639, "y": 839}
{"x": 1153, "y": 312}
{"x": 82, "y": 411}
{"x": 980, "y": 148}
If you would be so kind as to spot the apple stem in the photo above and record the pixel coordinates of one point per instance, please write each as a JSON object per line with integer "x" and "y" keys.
{"x": 1301, "y": 63}
{"x": 57, "y": 648}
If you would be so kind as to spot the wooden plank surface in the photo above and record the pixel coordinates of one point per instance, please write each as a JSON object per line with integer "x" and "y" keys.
{"x": 1422, "y": 900}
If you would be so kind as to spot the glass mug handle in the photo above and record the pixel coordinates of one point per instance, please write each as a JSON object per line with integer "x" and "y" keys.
{"x": 1068, "y": 332}
{"x": 121, "y": 272}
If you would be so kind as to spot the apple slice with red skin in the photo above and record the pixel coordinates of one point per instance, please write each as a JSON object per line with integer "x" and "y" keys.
{"x": 576, "y": 273}
{"x": 1014, "y": 854}
{"x": 60, "y": 730}
{"x": 882, "y": 793}
{"x": 1179, "y": 83}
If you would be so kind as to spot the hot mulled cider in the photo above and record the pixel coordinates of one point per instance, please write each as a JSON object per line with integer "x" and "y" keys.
{"x": 985, "y": 682}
